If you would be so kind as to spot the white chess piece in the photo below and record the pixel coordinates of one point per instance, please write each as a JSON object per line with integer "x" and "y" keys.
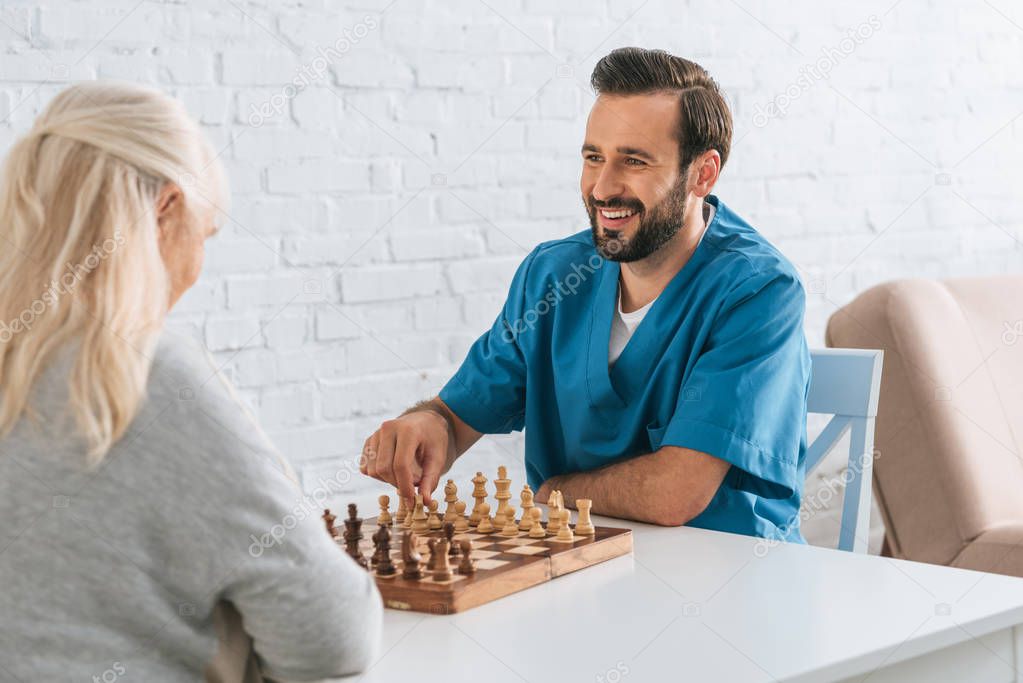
{"x": 510, "y": 527}
{"x": 536, "y": 529}
{"x": 565, "y": 532}
{"x": 385, "y": 514}
{"x": 583, "y": 525}
{"x": 485, "y": 526}
{"x": 526, "y": 500}
{"x": 450, "y": 497}
{"x": 461, "y": 522}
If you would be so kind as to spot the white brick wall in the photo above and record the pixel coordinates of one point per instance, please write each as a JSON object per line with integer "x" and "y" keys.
{"x": 379, "y": 211}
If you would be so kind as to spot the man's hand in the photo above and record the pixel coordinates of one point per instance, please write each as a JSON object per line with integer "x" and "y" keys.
{"x": 410, "y": 451}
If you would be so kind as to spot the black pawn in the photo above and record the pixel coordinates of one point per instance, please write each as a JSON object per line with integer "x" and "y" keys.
{"x": 431, "y": 564}
{"x": 467, "y": 567}
{"x": 410, "y": 558}
{"x": 449, "y": 534}
{"x": 382, "y": 557}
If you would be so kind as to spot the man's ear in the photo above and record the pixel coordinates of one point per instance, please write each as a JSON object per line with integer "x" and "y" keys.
{"x": 705, "y": 170}
{"x": 168, "y": 203}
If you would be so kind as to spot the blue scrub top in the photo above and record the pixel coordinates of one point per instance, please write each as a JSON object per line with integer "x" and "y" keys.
{"x": 719, "y": 365}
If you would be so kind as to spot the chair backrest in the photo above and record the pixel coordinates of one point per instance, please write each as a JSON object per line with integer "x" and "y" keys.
{"x": 846, "y": 383}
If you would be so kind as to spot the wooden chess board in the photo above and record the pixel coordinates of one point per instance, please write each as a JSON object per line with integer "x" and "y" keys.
{"x": 504, "y": 565}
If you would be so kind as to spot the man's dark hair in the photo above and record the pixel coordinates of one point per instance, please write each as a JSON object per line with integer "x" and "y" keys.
{"x": 705, "y": 122}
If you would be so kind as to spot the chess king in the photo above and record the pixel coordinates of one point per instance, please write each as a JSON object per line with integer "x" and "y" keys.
{"x": 656, "y": 361}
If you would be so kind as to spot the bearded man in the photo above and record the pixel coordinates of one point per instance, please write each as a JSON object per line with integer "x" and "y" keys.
{"x": 656, "y": 361}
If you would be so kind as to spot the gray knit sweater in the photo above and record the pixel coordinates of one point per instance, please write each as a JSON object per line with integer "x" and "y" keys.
{"x": 114, "y": 573}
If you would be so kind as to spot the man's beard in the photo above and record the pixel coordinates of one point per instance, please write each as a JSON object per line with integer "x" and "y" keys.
{"x": 656, "y": 226}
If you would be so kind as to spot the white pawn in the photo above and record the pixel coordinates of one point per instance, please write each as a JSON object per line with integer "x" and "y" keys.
{"x": 418, "y": 521}
{"x": 536, "y": 529}
{"x": 485, "y": 526}
{"x": 384, "y": 518}
{"x": 461, "y": 522}
{"x": 565, "y": 532}
{"x": 434, "y": 522}
{"x": 510, "y": 527}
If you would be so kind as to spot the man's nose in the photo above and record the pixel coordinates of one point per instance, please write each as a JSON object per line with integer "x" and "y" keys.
{"x": 609, "y": 184}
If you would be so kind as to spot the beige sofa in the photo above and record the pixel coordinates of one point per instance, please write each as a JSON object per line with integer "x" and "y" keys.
{"x": 949, "y": 475}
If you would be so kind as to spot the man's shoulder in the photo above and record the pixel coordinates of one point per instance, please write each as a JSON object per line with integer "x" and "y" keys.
{"x": 560, "y": 258}
{"x": 742, "y": 252}
{"x": 566, "y": 250}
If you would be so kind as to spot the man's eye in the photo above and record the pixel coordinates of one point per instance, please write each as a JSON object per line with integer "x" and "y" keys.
{"x": 632, "y": 161}
{"x": 593, "y": 157}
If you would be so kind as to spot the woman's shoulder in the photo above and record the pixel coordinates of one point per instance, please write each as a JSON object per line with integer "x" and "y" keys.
{"x": 179, "y": 359}
{"x": 192, "y": 409}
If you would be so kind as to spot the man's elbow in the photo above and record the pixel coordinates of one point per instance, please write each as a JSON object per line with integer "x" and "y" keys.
{"x": 679, "y": 512}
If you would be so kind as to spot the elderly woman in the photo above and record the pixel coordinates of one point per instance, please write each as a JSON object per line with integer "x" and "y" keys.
{"x": 143, "y": 510}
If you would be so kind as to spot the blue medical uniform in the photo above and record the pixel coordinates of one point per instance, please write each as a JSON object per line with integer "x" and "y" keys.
{"x": 719, "y": 365}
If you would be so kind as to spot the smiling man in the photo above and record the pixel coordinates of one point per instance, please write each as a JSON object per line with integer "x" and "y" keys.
{"x": 657, "y": 361}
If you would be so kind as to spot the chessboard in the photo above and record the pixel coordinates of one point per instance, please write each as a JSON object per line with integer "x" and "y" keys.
{"x": 503, "y": 565}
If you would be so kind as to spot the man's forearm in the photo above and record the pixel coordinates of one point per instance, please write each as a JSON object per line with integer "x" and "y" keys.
{"x": 668, "y": 487}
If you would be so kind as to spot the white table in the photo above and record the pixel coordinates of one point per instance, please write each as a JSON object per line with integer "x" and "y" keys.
{"x": 694, "y": 605}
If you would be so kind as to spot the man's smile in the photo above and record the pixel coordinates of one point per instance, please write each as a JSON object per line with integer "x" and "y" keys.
{"x": 616, "y": 219}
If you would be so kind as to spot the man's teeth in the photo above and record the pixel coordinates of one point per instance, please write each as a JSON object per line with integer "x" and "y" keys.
{"x": 616, "y": 214}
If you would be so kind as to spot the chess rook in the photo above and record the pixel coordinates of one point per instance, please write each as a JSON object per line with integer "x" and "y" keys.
{"x": 583, "y": 525}
{"x": 442, "y": 566}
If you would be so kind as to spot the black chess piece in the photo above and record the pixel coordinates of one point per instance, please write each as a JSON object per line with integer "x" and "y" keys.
{"x": 431, "y": 564}
{"x": 384, "y": 564}
{"x": 329, "y": 520}
{"x": 353, "y": 534}
{"x": 375, "y": 557}
{"x": 410, "y": 557}
{"x": 467, "y": 567}
{"x": 449, "y": 534}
